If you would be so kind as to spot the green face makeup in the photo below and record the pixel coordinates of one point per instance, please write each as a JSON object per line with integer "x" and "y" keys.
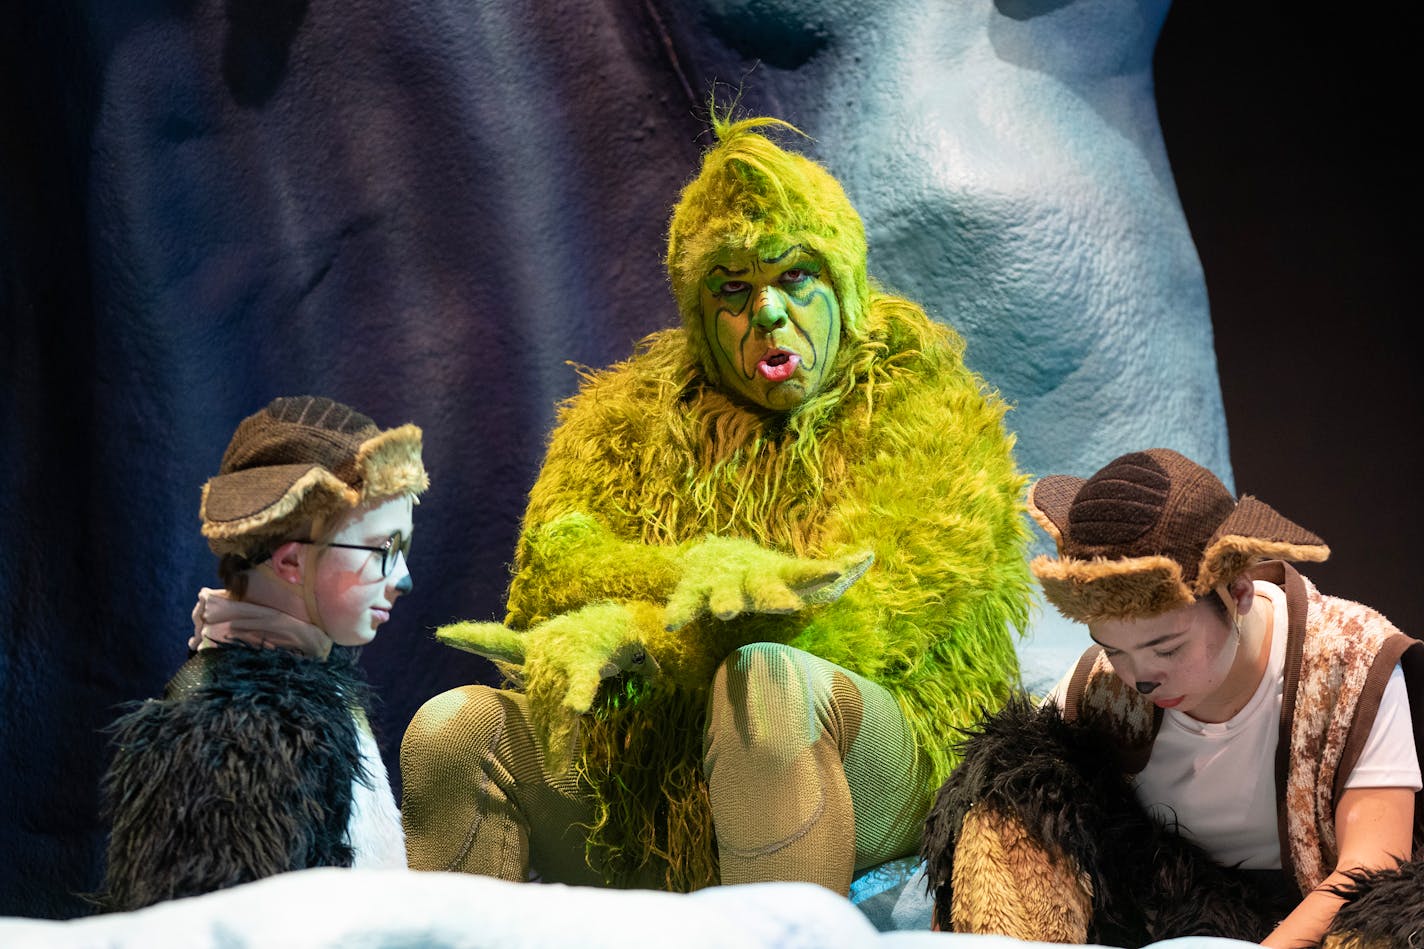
{"x": 773, "y": 325}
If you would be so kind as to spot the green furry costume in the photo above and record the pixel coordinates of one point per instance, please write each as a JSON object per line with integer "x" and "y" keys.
{"x": 876, "y": 526}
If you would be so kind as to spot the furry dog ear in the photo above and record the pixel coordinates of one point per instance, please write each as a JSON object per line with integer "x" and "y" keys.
{"x": 937, "y": 843}
{"x": 1382, "y": 907}
{"x": 1009, "y": 883}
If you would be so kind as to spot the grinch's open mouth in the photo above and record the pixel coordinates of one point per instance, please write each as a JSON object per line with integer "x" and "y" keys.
{"x": 778, "y": 365}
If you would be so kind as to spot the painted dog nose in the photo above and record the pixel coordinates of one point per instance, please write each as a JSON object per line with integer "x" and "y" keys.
{"x": 1147, "y": 687}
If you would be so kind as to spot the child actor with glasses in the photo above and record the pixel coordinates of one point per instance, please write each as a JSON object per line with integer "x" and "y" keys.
{"x": 259, "y": 757}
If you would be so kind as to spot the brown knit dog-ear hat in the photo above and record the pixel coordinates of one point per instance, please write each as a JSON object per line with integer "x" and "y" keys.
{"x": 1152, "y": 531}
{"x": 303, "y": 459}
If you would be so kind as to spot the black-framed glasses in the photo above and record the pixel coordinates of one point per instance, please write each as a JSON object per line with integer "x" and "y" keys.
{"x": 396, "y": 544}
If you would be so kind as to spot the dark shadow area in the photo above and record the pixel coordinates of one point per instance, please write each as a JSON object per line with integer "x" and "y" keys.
{"x": 258, "y": 46}
{"x": 1287, "y": 141}
{"x": 1028, "y": 9}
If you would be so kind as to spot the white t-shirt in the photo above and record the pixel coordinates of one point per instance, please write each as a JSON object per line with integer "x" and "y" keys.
{"x": 1219, "y": 778}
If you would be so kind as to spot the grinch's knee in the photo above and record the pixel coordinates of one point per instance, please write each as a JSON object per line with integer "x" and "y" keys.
{"x": 456, "y": 734}
{"x": 763, "y": 702}
{"x": 759, "y": 666}
{"x": 456, "y": 774}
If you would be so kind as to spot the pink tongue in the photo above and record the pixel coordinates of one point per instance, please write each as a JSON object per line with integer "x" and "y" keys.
{"x": 779, "y": 372}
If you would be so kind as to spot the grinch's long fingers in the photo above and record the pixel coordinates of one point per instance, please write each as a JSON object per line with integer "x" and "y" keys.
{"x": 771, "y": 594}
{"x": 581, "y": 693}
{"x": 828, "y": 587}
{"x": 688, "y": 601}
{"x": 727, "y": 599}
{"x": 493, "y": 640}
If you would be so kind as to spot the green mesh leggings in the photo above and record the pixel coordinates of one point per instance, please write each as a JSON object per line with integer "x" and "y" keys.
{"x": 811, "y": 772}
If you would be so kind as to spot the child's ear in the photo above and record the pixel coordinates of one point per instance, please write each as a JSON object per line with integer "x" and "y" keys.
{"x": 287, "y": 561}
{"x": 1243, "y": 593}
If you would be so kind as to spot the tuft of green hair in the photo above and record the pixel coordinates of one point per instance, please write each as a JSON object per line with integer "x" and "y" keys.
{"x": 751, "y": 194}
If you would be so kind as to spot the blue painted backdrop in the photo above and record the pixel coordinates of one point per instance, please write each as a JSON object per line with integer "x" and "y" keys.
{"x": 428, "y": 210}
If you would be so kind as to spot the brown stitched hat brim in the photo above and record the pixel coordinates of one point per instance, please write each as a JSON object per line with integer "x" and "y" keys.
{"x": 1257, "y": 519}
{"x": 1254, "y": 531}
{"x": 255, "y": 499}
{"x": 1231, "y": 556}
{"x": 1150, "y": 531}
{"x": 1125, "y": 588}
{"x": 293, "y": 465}
{"x": 1049, "y": 499}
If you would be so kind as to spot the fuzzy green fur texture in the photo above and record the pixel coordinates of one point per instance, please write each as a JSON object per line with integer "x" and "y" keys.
{"x": 562, "y": 663}
{"x": 904, "y": 457}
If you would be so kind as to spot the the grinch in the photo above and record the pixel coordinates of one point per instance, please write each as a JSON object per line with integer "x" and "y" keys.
{"x": 770, "y": 563}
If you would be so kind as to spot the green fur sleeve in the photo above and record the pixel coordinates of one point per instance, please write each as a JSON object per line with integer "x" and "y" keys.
{"x": 614, "y": 516}
{"x": 693, "y": 600}
{"x": 584, "y": 537}
{"x": 574, "y": 560}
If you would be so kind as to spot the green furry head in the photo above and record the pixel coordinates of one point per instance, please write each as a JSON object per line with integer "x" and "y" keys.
{"x": 751, "y": 194}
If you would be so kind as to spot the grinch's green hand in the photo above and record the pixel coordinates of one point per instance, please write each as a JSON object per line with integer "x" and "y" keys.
{"x": 569, "y": 657}
{"x": 565, "y": 661}
{"x": 728, "y": 577}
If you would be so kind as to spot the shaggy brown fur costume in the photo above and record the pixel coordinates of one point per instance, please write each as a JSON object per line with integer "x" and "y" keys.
{"x": 1061, "y": 781}
{"x": 243, "y": 770}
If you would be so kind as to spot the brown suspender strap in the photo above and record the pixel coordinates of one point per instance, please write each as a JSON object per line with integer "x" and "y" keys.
{"x": 1408, "y": 652}
{"x": 1402, "y": 649}
{"x": 1285, "y": 576}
